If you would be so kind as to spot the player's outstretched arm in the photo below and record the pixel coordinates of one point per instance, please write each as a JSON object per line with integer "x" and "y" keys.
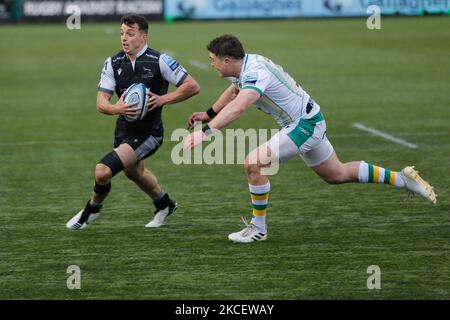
{"x": 235, "y": 108}
{"x": 184, "y": 91}
{"x": 229, "y": 113}
{"x": 226, "y": 97}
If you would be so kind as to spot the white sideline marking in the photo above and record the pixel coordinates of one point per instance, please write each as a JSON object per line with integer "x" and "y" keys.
{"x": 199, "y": 64}
{"x": 401, "y": 134}
{"x": 384, "y": 135}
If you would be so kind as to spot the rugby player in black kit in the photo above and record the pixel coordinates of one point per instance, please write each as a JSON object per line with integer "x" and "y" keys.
{"x": 135, "y": 141}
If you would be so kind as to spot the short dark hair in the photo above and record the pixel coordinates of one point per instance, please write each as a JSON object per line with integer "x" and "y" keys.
{"x": 131, "y": 19}
{"x": 226, "y": 46}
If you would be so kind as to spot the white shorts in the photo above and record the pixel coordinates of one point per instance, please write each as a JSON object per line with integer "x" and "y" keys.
{"x": 305, "y": 138}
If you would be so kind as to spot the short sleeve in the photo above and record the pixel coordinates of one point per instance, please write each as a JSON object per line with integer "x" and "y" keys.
{"x": 171, "y": 70}
{"x": 107, "y": 82}
{"x": 257, "y": 80}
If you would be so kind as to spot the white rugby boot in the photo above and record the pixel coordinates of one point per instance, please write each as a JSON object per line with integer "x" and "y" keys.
{"x": 250, "y": 233}
{"x": 85, "y": 217}
{"x": 161, "y": 215}
{"x": 416, "y": 184}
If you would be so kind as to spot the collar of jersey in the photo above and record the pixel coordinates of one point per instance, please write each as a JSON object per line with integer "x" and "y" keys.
{"x": 244, "y": 65}
{"x": 140, "y": 53}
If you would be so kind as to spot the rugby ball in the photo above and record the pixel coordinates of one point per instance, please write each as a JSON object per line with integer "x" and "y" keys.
{"x": 136, "y": 92}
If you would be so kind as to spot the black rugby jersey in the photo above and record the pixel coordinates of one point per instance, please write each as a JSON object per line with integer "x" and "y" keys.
{"x": 152, "y": 68}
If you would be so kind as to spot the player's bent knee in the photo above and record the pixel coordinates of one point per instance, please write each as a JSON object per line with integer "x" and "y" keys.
{"x": 251, "y": 168}
{"x": 112, "y": 162}
{"x": 103, "y": 174}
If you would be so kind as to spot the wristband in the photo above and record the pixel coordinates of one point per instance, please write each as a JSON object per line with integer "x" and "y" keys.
{"x": 211, "y": 113}
{"x": 206, "y": 130}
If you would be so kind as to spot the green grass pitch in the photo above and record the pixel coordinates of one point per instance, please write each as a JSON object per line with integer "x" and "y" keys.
{"x": 322, "y": 237}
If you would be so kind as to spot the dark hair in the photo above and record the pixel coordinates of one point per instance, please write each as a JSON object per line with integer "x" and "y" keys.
{"x": 226, "y": 46}
{"x": 131, "y": 19}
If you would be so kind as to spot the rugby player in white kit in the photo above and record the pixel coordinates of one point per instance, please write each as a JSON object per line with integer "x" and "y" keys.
{"x": 257, "y": 80}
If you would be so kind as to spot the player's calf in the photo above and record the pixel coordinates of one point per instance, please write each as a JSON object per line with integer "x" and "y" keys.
{"x": 334, "y": 171}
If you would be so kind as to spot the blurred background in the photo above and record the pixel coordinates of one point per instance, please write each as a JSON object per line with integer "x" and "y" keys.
{"x": 96, "y": 10}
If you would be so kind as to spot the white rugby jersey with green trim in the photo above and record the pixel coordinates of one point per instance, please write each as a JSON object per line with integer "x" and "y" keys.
{"x": 281, "y": 96}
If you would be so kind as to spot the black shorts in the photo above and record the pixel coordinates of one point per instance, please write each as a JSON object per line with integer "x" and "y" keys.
{"x": 144, "y": 145}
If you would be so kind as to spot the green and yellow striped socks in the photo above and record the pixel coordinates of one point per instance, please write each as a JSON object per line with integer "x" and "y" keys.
{"x": 369, "y": 173}
{"x": 260, "y": 201}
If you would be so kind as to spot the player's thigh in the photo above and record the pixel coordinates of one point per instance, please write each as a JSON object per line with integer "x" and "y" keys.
{"x": 309, "y": 141}
{"x": 126, "y": 155}
{"x": 281, "y": 146}
{"x": 320, "y": 153}
{"x": 315, "y": 148}
{"x": 138, "y": 147}
{"x": 135, "y": 170}
{"x": 262, "y": 156}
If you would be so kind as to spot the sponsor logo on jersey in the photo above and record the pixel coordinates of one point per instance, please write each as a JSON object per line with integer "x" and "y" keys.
{"x": 171, "y": 62}
{"x": 147, "y": 73}
{"x": 151, "y": 56}
{"x": 118, "y": 58}
{"x": 250, "y": 78}
{"x": 119, "y": 71}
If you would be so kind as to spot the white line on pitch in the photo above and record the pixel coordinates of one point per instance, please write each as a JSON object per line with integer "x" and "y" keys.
{"x": 198, "y": 64}
{"x": 384, "y": 135}
{"x": 400, "y": 134}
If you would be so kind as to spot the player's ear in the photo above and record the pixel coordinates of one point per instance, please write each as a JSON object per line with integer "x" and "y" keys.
{"x": 145, "y": 35}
